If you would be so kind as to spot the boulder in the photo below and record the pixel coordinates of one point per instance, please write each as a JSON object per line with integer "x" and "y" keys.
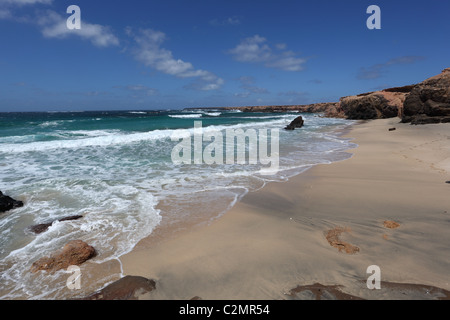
{"x": 429, "y": 101}
{"x": 296, "y": 124}
{"x": 74, "y": 253}
{"x": 127, "y": 288}
{"x": 8, "y": 203}
{"x": 41, "y": 228}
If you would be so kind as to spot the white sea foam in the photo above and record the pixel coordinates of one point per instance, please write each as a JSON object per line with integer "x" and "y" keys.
{"x": 186, "y": 116}
{"x": 116, "y": 180}
{"x": 112, "y": 138}
{"x": 212, "y": 114}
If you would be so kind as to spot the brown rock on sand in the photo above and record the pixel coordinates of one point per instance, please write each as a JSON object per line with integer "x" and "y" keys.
{"x": 127, "y": 288}
{"x": 334, "y": 240}
{"x": 391, "y": 224}
{"x": 74, "y": 253}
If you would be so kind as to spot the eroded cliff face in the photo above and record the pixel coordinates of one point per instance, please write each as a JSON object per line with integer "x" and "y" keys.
{"x": 374, "y": 105}
{"x": 429, "y": 101}
{"x": 426, "y": 102}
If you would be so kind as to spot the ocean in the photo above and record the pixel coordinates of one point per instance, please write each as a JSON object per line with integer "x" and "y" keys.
{"x": 116, "y": 169}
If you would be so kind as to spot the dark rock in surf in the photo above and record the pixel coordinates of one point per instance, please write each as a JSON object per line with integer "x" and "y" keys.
{"x": 296, "y": 124}
{"x": 41, "y": 228}
{"x": 8, "y": 203}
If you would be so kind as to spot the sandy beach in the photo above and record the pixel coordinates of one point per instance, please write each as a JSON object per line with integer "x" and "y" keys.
{"x": 325, "y": 226}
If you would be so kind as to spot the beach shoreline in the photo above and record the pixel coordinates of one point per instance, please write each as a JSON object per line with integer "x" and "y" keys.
{"x": 275, "y": 239}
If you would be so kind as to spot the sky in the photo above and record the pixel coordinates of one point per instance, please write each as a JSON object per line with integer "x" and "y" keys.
{"x": 164, "y": 54}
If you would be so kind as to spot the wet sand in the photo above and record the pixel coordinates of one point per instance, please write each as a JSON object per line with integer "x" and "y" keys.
{"x": 389, "y": 204}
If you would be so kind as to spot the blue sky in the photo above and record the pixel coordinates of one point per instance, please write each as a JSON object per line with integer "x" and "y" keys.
{"x": 156, "y": 54}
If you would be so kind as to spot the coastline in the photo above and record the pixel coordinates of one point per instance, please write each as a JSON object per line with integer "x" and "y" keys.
{"x": 274, "y": 239}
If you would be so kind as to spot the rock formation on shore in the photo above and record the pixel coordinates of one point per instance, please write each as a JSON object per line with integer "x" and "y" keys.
{"x": 429, "y": 101}
{"x": 375, "y": 105}
{"x": 426, "y": 102}
{"x": 72, "y": 254}
{"x": 330, "y": 109}
{"x": 8, "y": 203}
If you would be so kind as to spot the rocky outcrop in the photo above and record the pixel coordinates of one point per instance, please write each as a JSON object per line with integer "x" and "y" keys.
{"x": 330, "y": 109}
{"x": 74, "y": 253}
{"x": 8, "y": 203}
{"x": 375, "y": 105}
{"x": 296, "y": 124}
{"x": 429, "y": 101}
{"x": 127, "y": 288}
{"x": 426, "y": 102}
{"x": 41, "y": 228}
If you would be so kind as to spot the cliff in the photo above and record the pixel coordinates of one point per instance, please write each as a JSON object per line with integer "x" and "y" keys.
{"x": 426, "y": 102}
{"x": 429, "y": 101}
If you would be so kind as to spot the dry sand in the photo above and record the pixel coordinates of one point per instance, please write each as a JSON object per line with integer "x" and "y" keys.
{"x": 281, "y": 238}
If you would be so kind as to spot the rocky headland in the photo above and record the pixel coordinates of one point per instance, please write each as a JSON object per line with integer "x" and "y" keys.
{"x": 426, "y": 102}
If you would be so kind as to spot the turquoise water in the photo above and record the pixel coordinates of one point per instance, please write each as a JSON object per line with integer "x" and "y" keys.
{"x": 115, "y": 168}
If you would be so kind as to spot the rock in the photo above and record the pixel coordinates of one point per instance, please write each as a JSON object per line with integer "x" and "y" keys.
{"x": 333, "y": 238}
{"x": 296, "y": 124}
{"x": 429, "y": 101}
{"x": 374, "y": 105}
{"x": 319, "y": 291}
{"x": 74, "y": 253}
{"x": 8, "y": 203}
{"x": 391, "y": 224}
{"x": 41, "y": 228}
{"x": 127, "y": 288}
{"x": 392, "y": 129}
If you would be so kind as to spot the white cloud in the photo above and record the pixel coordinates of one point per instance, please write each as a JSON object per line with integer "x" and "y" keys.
{"x": 24, "y": 2}
{"x": 252, "y": 49}
{"x": 5, "y": 14}
{"x": 55, "y": 26}
{"x": 149, "y": 52}
{"x": 256, "y": 50}
{"x": 287, "y": 61}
